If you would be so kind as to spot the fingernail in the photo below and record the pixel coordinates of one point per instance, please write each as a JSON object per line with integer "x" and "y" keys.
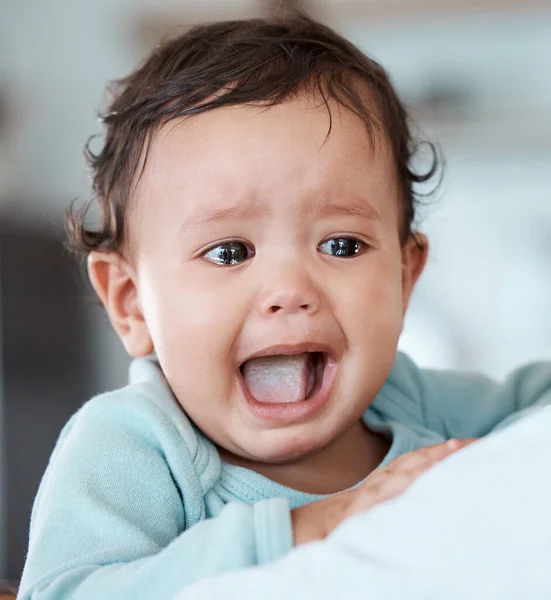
{"x": 453, "y": 444}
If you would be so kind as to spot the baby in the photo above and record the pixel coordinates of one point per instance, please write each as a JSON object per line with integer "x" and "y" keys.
{"x": 255, "y": 254}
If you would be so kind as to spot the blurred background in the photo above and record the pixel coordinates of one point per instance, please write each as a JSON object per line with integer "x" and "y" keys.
{"x": 476, "y": 76}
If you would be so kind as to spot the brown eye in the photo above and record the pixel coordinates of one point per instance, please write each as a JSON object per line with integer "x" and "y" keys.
{"x": 228, "y": 254}
{"x": 341, "y": 247}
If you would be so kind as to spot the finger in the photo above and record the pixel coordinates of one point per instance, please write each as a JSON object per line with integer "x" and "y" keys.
{"x": 391, "y": 486}
{"x": 415, "y": 459}
{"x": 458, "y": 443}
{"x": 440, "y": 451}
{"x": 411, "y": 462}
{"x": 422, "y": 458}
{"x": 467, "y": 441}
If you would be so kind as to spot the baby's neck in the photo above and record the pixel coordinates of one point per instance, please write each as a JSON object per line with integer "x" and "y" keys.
{"x": 339, "y": 466}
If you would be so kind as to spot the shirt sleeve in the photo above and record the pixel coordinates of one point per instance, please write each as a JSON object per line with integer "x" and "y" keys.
{"x": 120, "y": 514}
{"x": 457, "y": 404}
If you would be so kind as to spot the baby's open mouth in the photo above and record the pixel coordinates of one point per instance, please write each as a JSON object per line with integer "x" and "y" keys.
{"x": 283, "y": 378}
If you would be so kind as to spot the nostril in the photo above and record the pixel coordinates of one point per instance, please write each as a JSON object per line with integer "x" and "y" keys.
{"x": 275, "y": 308}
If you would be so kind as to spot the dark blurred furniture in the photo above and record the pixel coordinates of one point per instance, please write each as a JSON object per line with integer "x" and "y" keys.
{"x": 45, "y": 374}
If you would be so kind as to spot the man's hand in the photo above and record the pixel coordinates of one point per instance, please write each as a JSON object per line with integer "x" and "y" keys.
{"x": 316, "y": 520}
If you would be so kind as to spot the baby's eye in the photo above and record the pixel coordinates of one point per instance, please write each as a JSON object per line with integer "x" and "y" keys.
{"x": 230, "y": 253}
{"x": 342, "y": 247}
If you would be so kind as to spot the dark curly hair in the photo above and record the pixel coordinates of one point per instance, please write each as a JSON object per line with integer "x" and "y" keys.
{"x": 261, "y": 61}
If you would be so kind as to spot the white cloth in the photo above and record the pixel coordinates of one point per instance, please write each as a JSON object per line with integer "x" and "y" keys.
{"x": 475, "y": 527}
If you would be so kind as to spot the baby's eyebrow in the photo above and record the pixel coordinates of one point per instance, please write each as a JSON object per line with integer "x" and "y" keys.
{"x": 251, "y": 209}
{"x": 248, "y": 209}
{"x": 352, "y": 208}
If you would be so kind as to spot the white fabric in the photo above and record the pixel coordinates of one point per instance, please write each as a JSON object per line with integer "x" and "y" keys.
{"x": 475, "y": 527}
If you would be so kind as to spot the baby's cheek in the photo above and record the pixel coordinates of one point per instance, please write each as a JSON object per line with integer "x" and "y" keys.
{"x": 373, "y": 330}
{"x": 376, "y": 303}
{"x": 194, "y": 343}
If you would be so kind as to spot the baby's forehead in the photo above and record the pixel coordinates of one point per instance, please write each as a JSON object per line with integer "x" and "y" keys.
{"x": 319, "y": 126}
{"x": 297, "y": 142}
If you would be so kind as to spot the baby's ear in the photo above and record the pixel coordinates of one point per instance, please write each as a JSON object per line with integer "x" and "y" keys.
{"x": 414, "y": 258}
{"x": 114, "y": 281}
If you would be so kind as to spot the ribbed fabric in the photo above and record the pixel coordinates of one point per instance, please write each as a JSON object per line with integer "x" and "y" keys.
{"x": 272, "y": 542}
{"x": 135, "y": 502}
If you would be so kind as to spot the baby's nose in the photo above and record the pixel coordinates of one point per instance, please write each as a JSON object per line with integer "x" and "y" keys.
{"x": 290, "y": 295}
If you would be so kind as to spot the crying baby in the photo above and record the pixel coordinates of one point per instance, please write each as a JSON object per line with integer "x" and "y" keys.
{"x": 256, "y": 256}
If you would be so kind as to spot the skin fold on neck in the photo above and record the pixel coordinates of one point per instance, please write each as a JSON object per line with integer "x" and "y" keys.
{"x": 337, "y": 467}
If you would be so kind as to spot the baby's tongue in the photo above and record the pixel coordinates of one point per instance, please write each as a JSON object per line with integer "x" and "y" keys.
{"x": 278, "y": 379}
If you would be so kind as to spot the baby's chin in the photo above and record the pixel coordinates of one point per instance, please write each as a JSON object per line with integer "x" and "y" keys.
{"x": 286, "y": 456}
{"x": 275, "y": 450}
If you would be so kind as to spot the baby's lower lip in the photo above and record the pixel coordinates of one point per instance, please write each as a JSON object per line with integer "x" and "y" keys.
{"x": 291, "y": 412}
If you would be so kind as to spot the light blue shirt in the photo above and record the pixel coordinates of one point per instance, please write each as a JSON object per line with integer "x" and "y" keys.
{"x": 136, "y": 503}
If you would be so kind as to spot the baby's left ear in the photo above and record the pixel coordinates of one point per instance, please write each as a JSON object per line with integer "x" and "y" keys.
{"x": 414, "y": 258}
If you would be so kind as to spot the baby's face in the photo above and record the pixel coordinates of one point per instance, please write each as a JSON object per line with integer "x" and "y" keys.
{"x": 255, "y": 235}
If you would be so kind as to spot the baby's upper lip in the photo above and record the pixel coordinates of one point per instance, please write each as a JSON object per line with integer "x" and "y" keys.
{"x": 291, "y": 349}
